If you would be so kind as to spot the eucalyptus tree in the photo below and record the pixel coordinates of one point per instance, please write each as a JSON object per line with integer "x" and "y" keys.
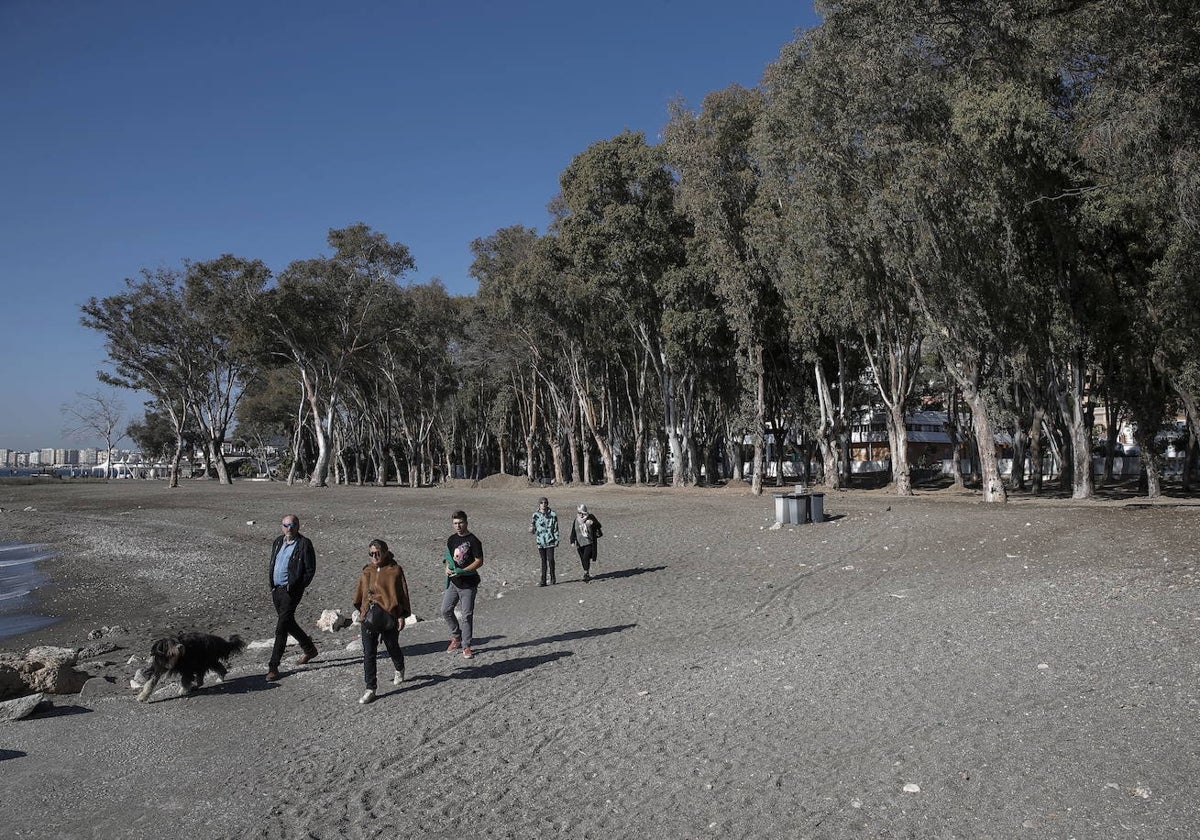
{"x": 420, "y": 374}
{"x": 325, "y": 312}
{"x": 221, "y": 298}
{"x": 719, "y": 182}
{"x": 498, "y": 267}
{"x": 830, "y": 153}
{"x": 621, "y": 232}
{"x": 1138, "y": 129}
{"x": 150, "y": 347}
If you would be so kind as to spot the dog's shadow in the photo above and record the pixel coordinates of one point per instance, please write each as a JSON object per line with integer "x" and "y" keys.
{"x": 245, "y": 684}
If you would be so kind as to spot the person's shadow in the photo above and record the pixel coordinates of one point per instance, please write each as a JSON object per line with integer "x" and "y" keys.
{"x": 569, "y": 636}
{"x": 626, "y": 573}
{"x": 501, "y": 668}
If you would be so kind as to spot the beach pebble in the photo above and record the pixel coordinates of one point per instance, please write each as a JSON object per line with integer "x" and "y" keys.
{"x": 249, "y": 521}
{"x": 643, "y": 693}
{"x": 1043, "y": 667}
{"x": 912, "y": 788}
{"x": 855, "y": 803}
{"x": 1142, "y": 792}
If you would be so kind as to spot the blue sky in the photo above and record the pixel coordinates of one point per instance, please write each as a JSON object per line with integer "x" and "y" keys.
{"x": 140, "y": 134}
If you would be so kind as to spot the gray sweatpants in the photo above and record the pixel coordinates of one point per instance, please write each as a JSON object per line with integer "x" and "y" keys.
{"x": 464, "y": 599}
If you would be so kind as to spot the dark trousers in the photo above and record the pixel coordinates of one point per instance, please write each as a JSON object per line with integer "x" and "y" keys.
{"x": 285, "y": 608}
{"x": 587, "y": 556}
{"x": 370, "y": 640}
{"x": 547, "y": 555}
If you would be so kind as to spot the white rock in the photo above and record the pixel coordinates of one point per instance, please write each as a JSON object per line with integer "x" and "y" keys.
{"x": 20, "y": 708}
{"x": 855, "y": 803}
{"x": 1143, "y": 792}
{"x": 249, "y": 521}
{"x": 1042, "y": 666}
{"x": 912, "y": 788}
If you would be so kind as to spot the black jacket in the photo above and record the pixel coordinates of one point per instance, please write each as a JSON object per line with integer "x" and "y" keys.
{"x": 301, "y": 567}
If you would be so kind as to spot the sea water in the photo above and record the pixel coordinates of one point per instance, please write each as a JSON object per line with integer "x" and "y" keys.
{"x": 19, "y": 577}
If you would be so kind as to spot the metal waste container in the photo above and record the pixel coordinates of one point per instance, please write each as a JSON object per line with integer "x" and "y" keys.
{"x": 797, "y": 504}
{"x": 816, "y": 507}
{"x": 781, "y": 509}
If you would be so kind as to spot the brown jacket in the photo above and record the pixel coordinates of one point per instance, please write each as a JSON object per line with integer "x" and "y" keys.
{"x": 384, "y": 586}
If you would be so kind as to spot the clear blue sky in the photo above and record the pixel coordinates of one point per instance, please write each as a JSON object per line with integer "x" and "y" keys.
{"x": 141, "y": 134}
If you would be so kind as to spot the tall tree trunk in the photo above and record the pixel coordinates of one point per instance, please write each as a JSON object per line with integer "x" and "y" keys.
{"x": 760, "y": 414}
{"x": 1068, "y": 394}
{"x": 827, "y": 430}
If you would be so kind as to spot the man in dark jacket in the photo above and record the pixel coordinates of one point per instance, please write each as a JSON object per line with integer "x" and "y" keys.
{"x": 292, "y": 567}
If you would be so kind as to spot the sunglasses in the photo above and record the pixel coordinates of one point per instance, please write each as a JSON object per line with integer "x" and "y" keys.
{"x": 373, "y": 553}
{"x": 288, "y": 525}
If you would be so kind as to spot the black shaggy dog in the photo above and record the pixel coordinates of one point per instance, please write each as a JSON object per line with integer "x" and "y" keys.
{"x": 190, "y": 655}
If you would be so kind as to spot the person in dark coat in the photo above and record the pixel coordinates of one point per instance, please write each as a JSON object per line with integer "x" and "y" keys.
{"x": 292, "y": 568}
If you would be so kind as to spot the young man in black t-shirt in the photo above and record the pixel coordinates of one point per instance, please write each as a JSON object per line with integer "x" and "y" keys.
{"x": 464, "y": 556}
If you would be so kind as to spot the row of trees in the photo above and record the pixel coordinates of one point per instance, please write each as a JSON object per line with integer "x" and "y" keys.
{"x": 987, "y": 202}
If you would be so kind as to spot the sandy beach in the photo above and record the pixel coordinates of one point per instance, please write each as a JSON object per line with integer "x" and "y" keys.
{"x": 914, "y": 668}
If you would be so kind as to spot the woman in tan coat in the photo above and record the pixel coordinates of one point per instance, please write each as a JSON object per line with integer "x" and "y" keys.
{"x": 382, "y": 583}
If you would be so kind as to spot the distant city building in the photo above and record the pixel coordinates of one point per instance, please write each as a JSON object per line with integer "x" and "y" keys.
{"x": 46, "y": 457}
{"x": 5, "y": 457}
{"x": 88, "y": 457}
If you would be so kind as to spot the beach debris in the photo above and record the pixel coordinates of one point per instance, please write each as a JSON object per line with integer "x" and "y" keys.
{"x": 249, "y": 521}
{"x": 21, "y": 707}
{"x": 897, "y": 595}
{"x": 643, "y": 693}
{"x": 332, "y": 621}
{"x": 31, "y": 509}
{"x": 912, "y": 788}
{"x": 1142, "y": 792}
{"x": 101, "y": 632}
{"x": 499, "y": 594}
{"x": 355, "y": 644}
{"x": 138, "y": 679}
{"x": 855, "y": 803}
{"x": 1042, "y": 666}
{"x": 776, "y": 526}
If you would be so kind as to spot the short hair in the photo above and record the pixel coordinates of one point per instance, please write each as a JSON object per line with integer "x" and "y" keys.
{"x": 459, "y": 514}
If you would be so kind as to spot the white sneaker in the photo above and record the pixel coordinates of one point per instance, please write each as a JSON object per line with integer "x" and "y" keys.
{"x": 368, "y": 697}
{"x": 399, "y": 678}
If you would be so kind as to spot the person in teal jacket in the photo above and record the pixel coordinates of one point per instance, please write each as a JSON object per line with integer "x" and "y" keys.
{"x": 544, "y": 527}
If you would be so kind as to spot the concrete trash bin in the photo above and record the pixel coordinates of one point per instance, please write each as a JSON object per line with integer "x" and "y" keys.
{"x": 781, "y": 510}
{"x": 817, "y": 507}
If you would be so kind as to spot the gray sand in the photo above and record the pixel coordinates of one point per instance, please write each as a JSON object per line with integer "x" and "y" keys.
{"x": 1030, "y": 668}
